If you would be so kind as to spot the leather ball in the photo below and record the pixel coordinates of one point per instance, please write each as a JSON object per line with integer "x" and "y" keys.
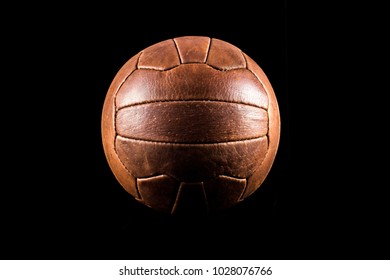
{"x": 190, "y": 125}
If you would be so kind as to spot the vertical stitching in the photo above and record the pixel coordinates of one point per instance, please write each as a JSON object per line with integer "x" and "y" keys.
{"x": 208, "y": 50}
{"x": 246, "y": 62}
{"x": 177, "y": 50}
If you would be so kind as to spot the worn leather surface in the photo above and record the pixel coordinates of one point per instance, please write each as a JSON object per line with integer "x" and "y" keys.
{"x": 190, "y": 125}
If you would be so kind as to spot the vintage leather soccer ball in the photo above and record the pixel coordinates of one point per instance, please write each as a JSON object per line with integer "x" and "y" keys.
{"x": 190, "y": 125}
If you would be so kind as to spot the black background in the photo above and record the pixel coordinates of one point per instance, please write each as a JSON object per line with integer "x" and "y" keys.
{"x": 323, "y": 198}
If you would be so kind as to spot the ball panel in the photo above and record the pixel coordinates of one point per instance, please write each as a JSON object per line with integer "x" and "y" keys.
{"x": 192, "y": 122}
{"x": 273, "y": 107}
{"x": 206, "y": 83}
{"x": 192, "y": 162}
{"x": 167, "y": 194}
{"x": 192, "y": 49}
{"x": 258, "y": 177}
{"x": 124, "y": 73}
{"x": 225, "y": 56}
{"x": 160, "y": 56}
{"x": 108, "y": 128}
{"x": 191, "y": 199}
{"x": 224, "y": 192}
{"x": 158, "y": 192}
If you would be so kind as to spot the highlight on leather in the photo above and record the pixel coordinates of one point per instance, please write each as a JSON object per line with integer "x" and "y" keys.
{"x": 190, "y": 125}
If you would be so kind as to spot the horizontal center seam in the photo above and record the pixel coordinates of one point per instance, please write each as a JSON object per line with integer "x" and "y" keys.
{"x": 193, "y": 143}
{"x": 191, "y": 100}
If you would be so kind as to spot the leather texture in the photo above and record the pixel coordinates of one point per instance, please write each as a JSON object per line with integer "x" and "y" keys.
{"x": 190, "y": 125}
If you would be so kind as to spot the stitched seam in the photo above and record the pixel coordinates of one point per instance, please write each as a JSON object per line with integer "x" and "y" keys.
{"x": 192, "y": 100}
{"x": 173, "y": 67}
{"x": 177, "y": 50}
{"x": 193, "y": 143}
{"x": 208, "y": 51}
{"x": 240, "y": 198}
{"x": 246, "y": 62}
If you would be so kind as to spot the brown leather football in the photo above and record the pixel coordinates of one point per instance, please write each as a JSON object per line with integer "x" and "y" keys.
{"x": 190, "y": 125}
